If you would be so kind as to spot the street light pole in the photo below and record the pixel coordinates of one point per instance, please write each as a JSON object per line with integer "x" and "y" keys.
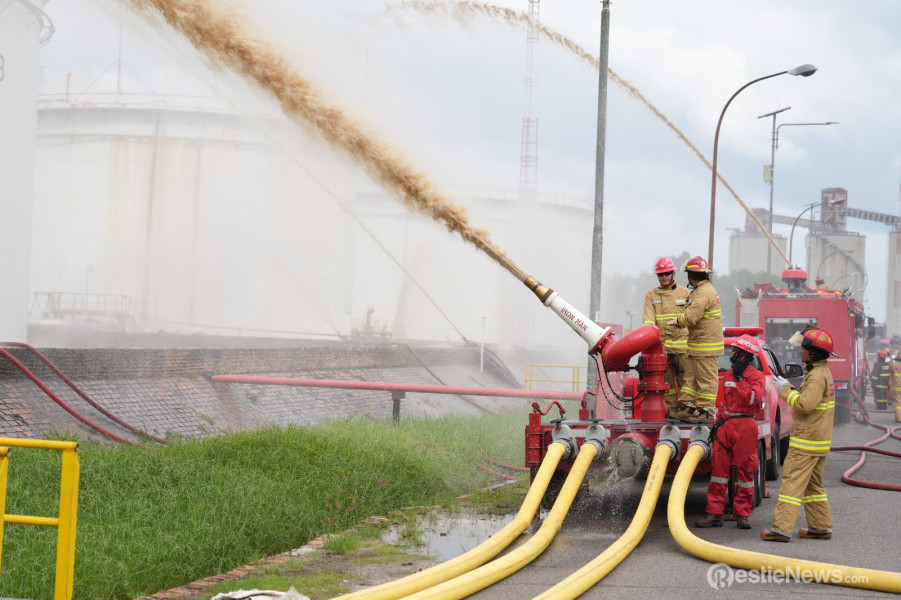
{"x": 772, "y": 173}
{"x": 805, "y": 70}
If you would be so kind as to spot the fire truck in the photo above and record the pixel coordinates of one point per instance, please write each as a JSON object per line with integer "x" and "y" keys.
{"x": 782, "y": 312}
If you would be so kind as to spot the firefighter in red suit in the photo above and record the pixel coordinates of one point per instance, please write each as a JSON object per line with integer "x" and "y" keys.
{"x": 735, "y": 437}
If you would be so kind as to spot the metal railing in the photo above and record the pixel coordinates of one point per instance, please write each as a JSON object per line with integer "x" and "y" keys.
{"x": 119, "y": 308}
{"x": 68, "y": 508}
{"x": 371, "y": 327}
{"x": 537, "y": 373}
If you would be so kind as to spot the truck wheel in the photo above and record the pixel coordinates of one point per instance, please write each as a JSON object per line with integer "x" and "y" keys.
{"x": 772, "y": 465}
{"x": 759, "y": 474}
{"x": 842, "y": 415}
{"x": 783, "y": 449}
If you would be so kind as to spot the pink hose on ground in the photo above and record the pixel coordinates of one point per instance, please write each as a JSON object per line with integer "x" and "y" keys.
{"x": 81, "y": 393}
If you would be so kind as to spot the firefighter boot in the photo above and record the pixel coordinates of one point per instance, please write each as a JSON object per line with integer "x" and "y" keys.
{"x": 706, "y": 415}
{"x": 742, "y": 522}
{"x": 772, "y": 536}
{"x": 815, "y": 534}
{"x": 710, "y": 520}
{"x": 686, "y": 413}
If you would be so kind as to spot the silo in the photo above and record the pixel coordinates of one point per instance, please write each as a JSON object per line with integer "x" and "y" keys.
{"x": 23, "y": 29}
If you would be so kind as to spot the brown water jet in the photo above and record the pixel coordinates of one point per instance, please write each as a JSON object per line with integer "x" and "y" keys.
{"x": 223, "y": 36}
{"x": 463, "y": 10}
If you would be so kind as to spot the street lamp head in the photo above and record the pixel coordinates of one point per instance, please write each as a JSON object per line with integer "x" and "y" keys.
{"x": 805, "y": 70}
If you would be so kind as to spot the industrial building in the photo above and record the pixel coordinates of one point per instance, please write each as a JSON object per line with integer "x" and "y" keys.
{"x": 832, "y": 250}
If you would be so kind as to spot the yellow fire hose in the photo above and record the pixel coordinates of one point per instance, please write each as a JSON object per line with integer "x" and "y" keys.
{"x": 480, "y": 578}
{"x": 868, "y": 579}
{"x": 597, "y": 569}
{"x": 481, "y": 553}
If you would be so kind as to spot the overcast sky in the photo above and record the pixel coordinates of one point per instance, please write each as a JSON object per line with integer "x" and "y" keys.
{"x": 451, "y": 95}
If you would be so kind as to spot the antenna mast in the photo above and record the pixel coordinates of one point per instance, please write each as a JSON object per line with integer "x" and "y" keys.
{"x": 528, "y": 159}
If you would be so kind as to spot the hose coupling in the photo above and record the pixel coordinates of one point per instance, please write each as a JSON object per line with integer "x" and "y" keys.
{"x": 672, "y": 437}
{"x": 563, "y": 434}
{"x": 597, "y": 435}
{"x": 700, "y": 435}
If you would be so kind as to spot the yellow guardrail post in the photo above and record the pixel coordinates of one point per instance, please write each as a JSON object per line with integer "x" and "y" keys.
{"x": 4, "y": 472}
{"x": 68, "y": 513}
{"x": 68, "y": 508}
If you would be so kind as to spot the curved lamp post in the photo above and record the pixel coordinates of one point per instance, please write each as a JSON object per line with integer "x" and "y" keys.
{"x": 830, "y": 255}
{"x": 791, "y": 236}
{"x": 805, "y": 70}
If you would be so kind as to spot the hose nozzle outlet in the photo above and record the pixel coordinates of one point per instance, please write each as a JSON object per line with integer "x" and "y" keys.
{"x": 672, "y": 437}
{"x": 563, "y": 434}
{"x": 538, "y": 288}
{"x": 700, "y": 435}
{"x": 628, "y": 456}
{"x": 597, "y": 435}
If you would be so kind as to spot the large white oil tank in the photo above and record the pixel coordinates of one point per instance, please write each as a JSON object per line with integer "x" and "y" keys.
{"x": 23, "y": 29}
{"x": 176, "y": 215}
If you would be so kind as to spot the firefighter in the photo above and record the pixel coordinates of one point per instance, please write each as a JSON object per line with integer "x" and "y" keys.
{"x": 704, "y": 320}
{"x": 879, "y": 377}
{"x": 662, "y": 304}
{"x": 821, "y": 283}
{"x": 734, "y": 437}
{"x": 894, "y": 379}
{"x": 809, "y": 443}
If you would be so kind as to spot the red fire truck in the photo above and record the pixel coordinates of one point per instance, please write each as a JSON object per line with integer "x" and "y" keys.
{"x": 782, "y": 312}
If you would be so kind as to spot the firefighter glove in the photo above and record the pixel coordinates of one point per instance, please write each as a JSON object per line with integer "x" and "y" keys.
{"x": 781, "y": 383}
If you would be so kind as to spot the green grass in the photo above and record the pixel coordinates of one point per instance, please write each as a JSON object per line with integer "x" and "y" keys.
{"x": 153, "y": 517}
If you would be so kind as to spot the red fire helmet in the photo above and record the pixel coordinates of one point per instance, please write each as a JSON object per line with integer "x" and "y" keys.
{"x": 664, "y": 265}
{"x": 697, "y": 265}
{"x": 819, "y": 338}
{"x": 748, "y": 344}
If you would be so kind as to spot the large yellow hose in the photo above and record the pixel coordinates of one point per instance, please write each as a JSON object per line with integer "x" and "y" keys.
{"x": 868, "y": 579}
{"x": 597, "y": 569}
{"x": 481, "y": 553}
{"x": 480, "y": 578}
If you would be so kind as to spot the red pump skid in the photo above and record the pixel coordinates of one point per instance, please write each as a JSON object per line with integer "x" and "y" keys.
{"x": 649, "y": 408}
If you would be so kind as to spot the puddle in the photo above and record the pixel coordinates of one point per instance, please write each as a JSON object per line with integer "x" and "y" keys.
{"x": 444, "y": 535}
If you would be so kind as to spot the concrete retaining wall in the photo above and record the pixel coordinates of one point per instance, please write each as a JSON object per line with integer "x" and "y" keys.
{"x": 168, "y": 392}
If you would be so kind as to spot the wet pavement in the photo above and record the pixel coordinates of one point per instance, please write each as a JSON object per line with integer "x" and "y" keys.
{"x": 867, "y": 527}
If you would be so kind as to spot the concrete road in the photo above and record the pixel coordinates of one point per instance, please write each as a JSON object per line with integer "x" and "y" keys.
{"x": 867, "y": 533}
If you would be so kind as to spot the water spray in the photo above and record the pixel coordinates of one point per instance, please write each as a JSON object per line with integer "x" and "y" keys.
{"x": 461, "y": 10}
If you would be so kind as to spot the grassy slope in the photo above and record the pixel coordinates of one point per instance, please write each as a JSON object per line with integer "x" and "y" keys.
{"x": 153, "y": 517}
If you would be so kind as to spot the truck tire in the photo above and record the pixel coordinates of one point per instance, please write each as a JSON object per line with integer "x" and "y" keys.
{"x": 760, "y": 474}
{"x": 842, "y": 415}
{"x": 775, "y": 461}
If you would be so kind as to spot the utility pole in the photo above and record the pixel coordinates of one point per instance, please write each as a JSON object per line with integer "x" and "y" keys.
{"x": 597, "y": 238}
